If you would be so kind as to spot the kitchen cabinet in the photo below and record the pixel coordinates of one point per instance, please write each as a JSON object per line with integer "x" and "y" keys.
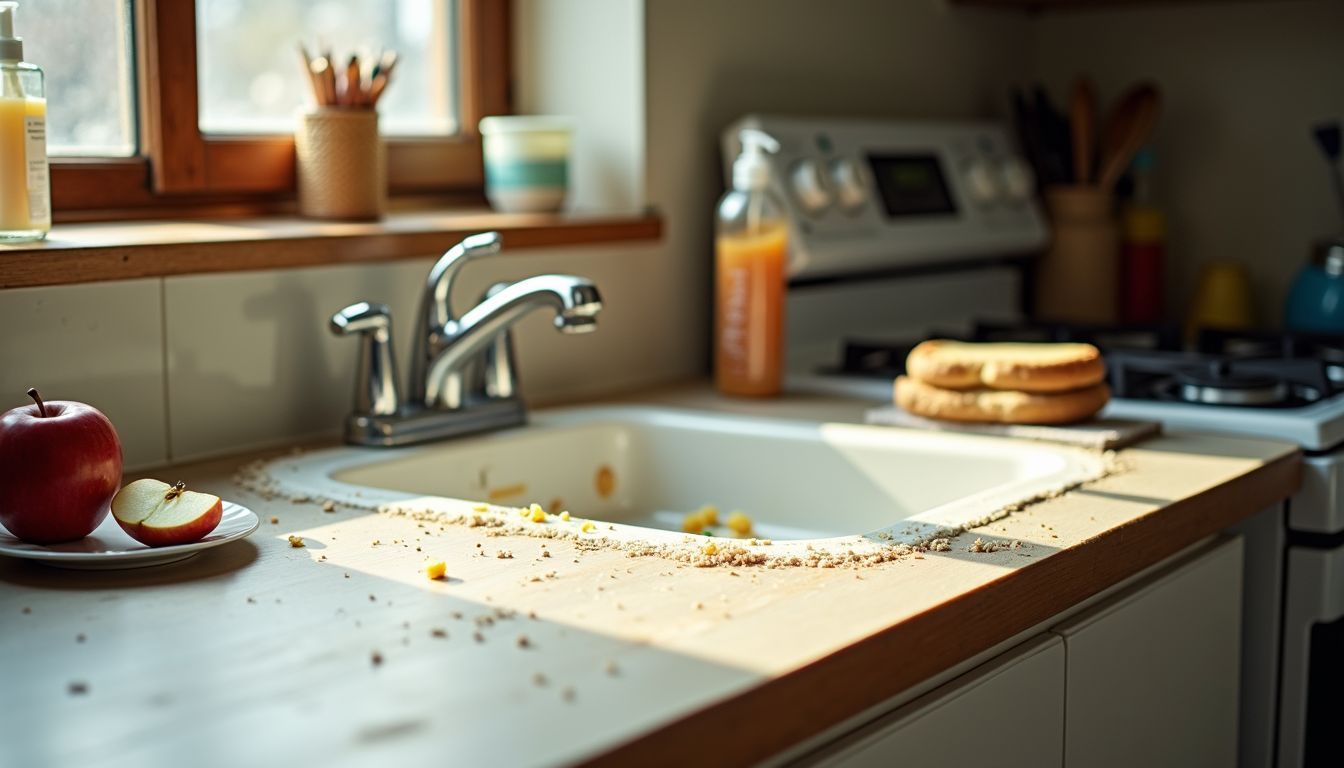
{"x": 1008, "y": 712}
{"x": 1148, "y": 676}
{"x": 1152, "y": 674}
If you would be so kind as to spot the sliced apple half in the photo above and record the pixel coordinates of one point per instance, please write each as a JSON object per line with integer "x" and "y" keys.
{"x": 158, "y": 514}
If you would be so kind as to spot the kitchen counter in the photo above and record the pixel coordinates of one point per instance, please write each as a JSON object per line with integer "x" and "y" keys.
{"x": 342, "y": 652}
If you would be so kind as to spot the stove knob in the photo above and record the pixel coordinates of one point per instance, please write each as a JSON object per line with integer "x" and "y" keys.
{"x": 981, "y": 182}
{"x": 1018, "y": 180}
{"x": 849, "y": 186}
{"x": 809, "y": 187}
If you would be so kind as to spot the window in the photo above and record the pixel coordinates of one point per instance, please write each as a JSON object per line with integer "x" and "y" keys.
{"x": 84, "y": 46}
{"x": 216, "y": 85}
{"x": 250, "y": 80}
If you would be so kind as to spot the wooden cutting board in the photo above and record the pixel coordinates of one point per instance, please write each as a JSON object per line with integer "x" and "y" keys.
{"x": 1099, "y": 434}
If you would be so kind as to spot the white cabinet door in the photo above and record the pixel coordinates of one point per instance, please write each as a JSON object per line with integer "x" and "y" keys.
{"x": 1008, "y": 712}
{"x": 1152, "y": 674}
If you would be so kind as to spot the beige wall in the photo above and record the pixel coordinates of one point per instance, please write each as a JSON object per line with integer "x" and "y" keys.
{"x": 1239, "y": 174}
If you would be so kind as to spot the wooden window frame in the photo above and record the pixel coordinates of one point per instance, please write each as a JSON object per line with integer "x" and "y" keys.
{"x": 179, "y": 169}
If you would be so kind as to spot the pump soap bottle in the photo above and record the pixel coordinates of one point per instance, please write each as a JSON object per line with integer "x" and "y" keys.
{"x": 25, "y": 187}
{"x": 751, "y": 252}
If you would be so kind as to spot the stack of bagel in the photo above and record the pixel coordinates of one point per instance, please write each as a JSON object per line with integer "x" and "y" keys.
{"x": 1003, "y": 383}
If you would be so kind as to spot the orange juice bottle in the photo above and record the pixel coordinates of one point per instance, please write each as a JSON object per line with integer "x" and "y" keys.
{"x": 751, "y": 253}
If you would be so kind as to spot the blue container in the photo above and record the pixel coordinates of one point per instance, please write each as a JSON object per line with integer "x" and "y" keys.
{"x": 1316, "y": 299}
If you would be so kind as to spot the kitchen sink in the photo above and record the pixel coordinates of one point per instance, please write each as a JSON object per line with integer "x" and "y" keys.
{"x": 641, "y": 469}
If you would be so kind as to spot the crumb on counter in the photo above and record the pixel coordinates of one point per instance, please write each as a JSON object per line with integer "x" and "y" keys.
{"x": 295, "y": 541}
{"x": 328, "y": 506}
{"x": 435, "y": 570}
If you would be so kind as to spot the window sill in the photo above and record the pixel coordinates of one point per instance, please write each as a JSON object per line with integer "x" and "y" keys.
{"x": 96, "y": 252}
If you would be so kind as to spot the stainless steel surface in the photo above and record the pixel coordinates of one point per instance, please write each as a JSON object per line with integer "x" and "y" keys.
{"x": 421, "y": 425}
{"x": 497, "y": 374}
{"x": 575, "y": 301}
{"x": 462, "y": 368}
{"x": 376, "y": 376}
{"x": 435, "y": 309}
{"x": 1270, "y": 394}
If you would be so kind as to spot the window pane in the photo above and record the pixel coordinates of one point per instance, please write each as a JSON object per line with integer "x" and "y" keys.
{"x": 84, "y": 46}
{"x": 251, "y": 80}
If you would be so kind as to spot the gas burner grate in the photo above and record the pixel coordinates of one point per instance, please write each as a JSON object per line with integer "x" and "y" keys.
{"x": 1218, "y": 380}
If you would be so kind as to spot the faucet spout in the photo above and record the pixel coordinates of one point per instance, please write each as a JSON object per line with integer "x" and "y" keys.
{"x": 575, "y": 301}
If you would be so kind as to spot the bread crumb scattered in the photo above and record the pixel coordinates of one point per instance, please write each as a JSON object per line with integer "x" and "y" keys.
{"x": 80, "y": 638}
{"x": 376, "y": 658}
{"x": 25, "y": 609}
{"x": 524, "y": 642}
{"x": 612, "y": 669}
{"x": 504, "y": 554}
{"x": 295, "y": 541}
{"x": 435, "y": 570}
{"x": 539, "y": 680}
{"x": 328, "y": 506}
{"x": 275, "y": 521}
{"x": 568, "y": 693}
{"x": 439, "y": 633}
{"x": 77, "y": 688}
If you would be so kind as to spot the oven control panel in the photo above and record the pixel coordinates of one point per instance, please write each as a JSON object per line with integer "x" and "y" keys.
{"x": 870, "y": 195}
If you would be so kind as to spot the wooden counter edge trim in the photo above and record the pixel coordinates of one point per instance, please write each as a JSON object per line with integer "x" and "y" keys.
{"x": 64, "y": 265}
{"x": 783, "y": 711}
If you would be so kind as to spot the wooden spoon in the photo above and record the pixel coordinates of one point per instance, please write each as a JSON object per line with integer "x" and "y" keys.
{"x": 1083, "y": 121}
{"x": 1127, "y": 130}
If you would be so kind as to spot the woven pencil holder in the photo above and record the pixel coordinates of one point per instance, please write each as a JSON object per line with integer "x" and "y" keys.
{"x": 341, "y": 164}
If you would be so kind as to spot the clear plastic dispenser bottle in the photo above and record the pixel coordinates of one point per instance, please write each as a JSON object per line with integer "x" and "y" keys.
{"x": 751, "y": 252}
{"x": 25, "y": 186}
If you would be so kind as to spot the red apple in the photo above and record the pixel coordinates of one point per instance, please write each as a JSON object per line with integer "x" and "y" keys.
{"x": 60, "y": 464}
{"x": 158, "y": 514}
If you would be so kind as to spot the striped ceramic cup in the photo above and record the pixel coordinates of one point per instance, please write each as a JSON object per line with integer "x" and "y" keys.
{"x": 526, "y": 162}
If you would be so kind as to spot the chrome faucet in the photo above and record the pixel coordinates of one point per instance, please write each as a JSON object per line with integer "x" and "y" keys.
{"x": 462, "y": 368}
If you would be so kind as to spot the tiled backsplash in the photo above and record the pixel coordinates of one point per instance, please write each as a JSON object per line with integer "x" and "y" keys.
{"x": 100, "y": 344}
{"x": 208, "y": 365}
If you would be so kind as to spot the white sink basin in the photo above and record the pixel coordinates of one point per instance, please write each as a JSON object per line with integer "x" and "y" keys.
{"x": 643, "y": 469}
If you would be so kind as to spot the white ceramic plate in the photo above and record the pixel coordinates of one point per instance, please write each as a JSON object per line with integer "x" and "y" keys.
{"x": 109, "y": 546}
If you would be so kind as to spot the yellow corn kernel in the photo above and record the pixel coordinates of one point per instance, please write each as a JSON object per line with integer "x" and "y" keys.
{"x": 709, "y": 515}
{"x": 524, "y": 511}
{"x": 565, "y": 516}
{"x": 538, "y": 514}
{"x": 588, "y": 527}
{"x": 710, "y": 549}
{"x": 739, "y": 523}
{"x": 435, "y": 569}
{"x": 480, "y": 507}
{"x": 693, "y": 522}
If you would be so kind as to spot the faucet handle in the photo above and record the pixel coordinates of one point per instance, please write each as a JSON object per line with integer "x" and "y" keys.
{"x": 376, "y": 376}
{"x": 361, "y": 317}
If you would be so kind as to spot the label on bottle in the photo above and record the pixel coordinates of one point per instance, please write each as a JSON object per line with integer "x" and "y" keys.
{"x": 39, "y": 177}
